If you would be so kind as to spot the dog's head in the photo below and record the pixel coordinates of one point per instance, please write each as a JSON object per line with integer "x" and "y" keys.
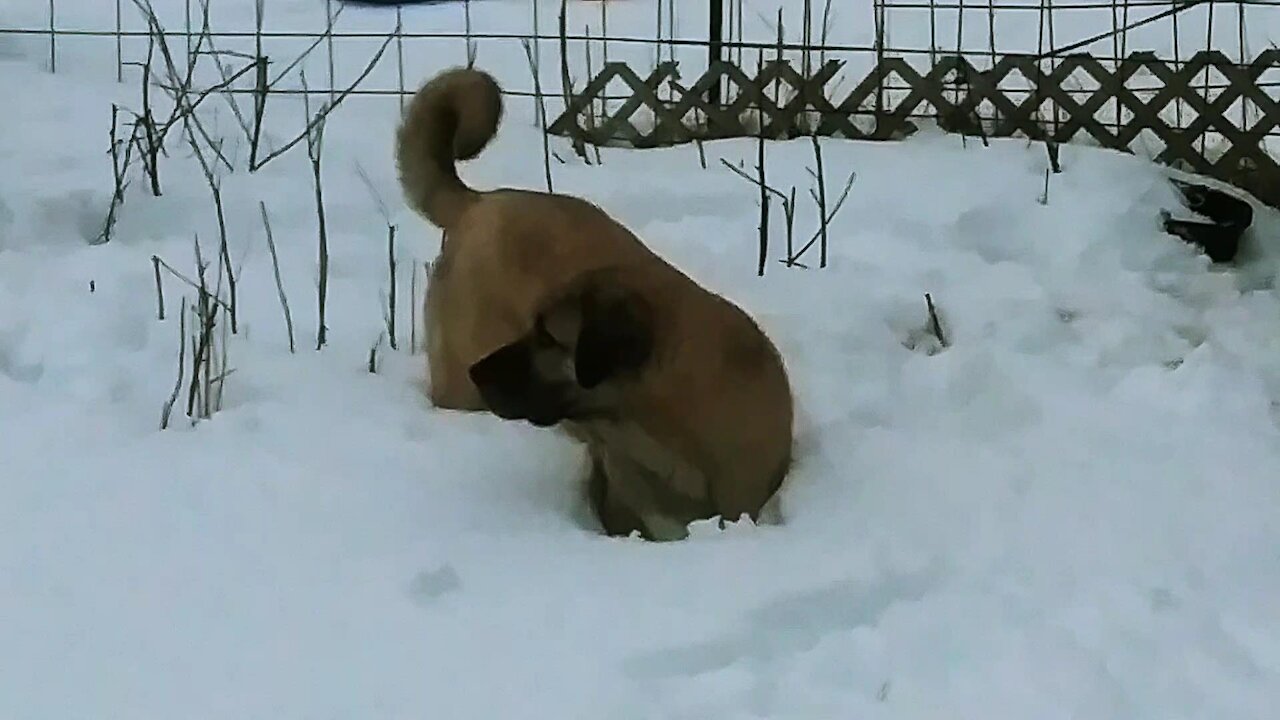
{"x": 582, "y": 343}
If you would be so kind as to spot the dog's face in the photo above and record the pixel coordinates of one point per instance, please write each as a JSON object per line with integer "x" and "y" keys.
{"x": 559, "y": 370}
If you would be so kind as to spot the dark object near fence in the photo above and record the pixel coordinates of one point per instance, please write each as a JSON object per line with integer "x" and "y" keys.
{"x": 1219, "y": 237}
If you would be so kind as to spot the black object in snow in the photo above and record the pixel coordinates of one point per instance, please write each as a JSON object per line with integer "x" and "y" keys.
{"x": 1229, "y": 217}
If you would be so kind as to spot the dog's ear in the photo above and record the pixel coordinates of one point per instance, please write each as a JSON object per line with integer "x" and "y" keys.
{"x": 615, "y": 337}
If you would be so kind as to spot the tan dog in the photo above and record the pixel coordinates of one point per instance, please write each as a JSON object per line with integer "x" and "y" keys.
{"x": 543, "y": 308}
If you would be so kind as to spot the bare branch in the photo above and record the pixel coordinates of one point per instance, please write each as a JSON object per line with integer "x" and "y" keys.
{"x": 934, "y": 324}
{"x": 166, "y": 411}
{"x": 275, "y": 268}
{"x": 329, "y": 107}
{"x": 184, "y": 278}
{"x": 542, "y": 108}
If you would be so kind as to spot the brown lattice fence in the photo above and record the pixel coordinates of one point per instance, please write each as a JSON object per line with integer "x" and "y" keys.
{"x": 1208, "y": 114}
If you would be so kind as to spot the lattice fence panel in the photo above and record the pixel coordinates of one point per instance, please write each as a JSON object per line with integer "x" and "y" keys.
{"x": 1209, "y": 114}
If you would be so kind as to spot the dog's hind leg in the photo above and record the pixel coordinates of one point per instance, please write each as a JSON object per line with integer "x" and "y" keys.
{"x": 449, "y": 387}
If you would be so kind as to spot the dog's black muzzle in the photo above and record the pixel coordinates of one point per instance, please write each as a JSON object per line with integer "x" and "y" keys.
{"x": 512, "y": 391}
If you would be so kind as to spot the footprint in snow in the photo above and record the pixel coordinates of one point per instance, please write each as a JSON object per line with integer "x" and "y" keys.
{"x": 787, "y": 626}
{"x": 430, "y": 585}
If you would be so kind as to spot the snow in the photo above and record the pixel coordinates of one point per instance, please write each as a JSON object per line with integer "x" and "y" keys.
{"x": 1070, "y": 512}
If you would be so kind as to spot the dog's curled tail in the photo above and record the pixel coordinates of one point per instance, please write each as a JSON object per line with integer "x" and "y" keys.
{"x": 452, "y": 117}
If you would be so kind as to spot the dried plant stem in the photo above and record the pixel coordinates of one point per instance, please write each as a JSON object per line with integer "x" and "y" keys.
{"x": 206, "y": 313}
{"x": 154, "y": 140}
{"x": 373, "y": 355}
{"x": 315, "y": 151}
{"x": 413, "y": 309}
{"x": 275, "y": 269}
{"x": 591, "y": 106}
{"x": 322, "y": 287}
{"x": 192, "y": 283}
{"x": 472, "y": 49}
{"x": 53, "y": 39}
{"x": 806, "y": 38}
{"x": 315, "y": 43}
{"x": 119, "y": 41}
{"x": 763, "y": 256}
{"x": 329, "y": 107}
{"x": 329, "y": 17}
{"x": 531, "y": 53}
{"x": 391, "y": 294}
{"x": 566, "y": 83}
{"x": 166, "y": 411}
{"x": 260, "y": 93}
{"x": 215, "y": 188}
{"x": 401, "y": 94}
{"x": 155, "y": 266}
{"x": 788, "y": 201}
{"x": 934, "y": 325}
{"x": 119, "y": 173}
{"x": 826, "y": 218}
{"x": 820, "y": 176}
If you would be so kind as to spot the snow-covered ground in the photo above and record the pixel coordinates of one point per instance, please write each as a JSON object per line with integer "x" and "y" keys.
{"x": 1071, "y": 512}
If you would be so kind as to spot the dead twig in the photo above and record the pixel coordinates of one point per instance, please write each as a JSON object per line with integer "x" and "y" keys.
{"x": 119, "y": 175}
{"x": 192, "y": 283}
{"x": 166, "y": 411}
{"x": 788, "y": 203}
{"x": 215, "y": 187}
{"x": 541, "y": 107}
{"x": 373, "y": 355}
{"x": 319, "y": 118}
{"x": 315, "y": 151}
{"x": 275, "y": 269}
{"x": 934, "y": 325}
{"x": 391, "y": 294}
{"x": 826, "y": 218}
{"x": 566, "y": 83}
{"x": 155, "y": 266}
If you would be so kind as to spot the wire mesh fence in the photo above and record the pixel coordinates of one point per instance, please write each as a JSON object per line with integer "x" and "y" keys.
{"x": 1140, "y": 75}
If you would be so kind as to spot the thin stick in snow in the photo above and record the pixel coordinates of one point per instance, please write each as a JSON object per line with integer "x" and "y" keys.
{"x": 275, "y": 268}
{"x": 788, "y": 203}
{"x": 822, "y": 201}
{"x": 192, "y": 283}
{"x": 206, "y": 312}
{"x": 541, "y": 107}
{"x": 328, "y": 9}
{"x": 934, "y": 325}
{"x": 471, "y": 43}
{"x": 315, "y": 151}
{"x": 391, "y": 294}
{"x": 119, "y": 175}
{"x": 166, "y": 411}
{"x": 373, "y": 355}
{"x": 155, "y": 265}
{"x": 329, "y": 107}
{"x": 53, "y": 39}
{"x": 567, "y": 83}
{"x": 826, "y": 218}
{"x": 215, "y": 187}
{"x": 413, "y": 309}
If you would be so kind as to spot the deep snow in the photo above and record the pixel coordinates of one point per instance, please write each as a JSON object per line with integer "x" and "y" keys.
{"x": 1071, "y": 512}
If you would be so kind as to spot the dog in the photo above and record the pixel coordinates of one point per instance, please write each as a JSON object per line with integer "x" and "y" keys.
{"x": 542, "y": 308}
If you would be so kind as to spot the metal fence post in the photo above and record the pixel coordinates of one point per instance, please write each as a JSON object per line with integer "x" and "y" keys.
{"x": 715, "y": 40}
